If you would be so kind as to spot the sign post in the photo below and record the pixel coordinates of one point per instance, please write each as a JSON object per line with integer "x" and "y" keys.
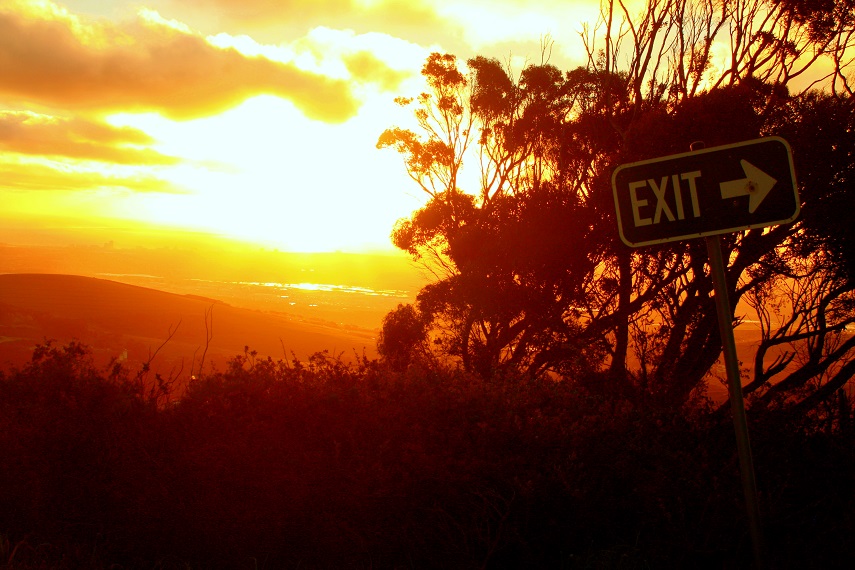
{"x": 737, "y": 404}
{"x": 704, "y": 193}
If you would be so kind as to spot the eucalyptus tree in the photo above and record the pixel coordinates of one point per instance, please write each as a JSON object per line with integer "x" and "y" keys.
{"x": 530, "y": 273}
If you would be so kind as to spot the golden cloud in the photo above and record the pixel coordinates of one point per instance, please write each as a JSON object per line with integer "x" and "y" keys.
{"x": 412, "y": 19}
{"x": 54, "y": 59}
{"x": 365, "y": 66}
{"x": 262, "y": 11}
{"x": 78, "y": 138}
{"x": 46, "y": 177}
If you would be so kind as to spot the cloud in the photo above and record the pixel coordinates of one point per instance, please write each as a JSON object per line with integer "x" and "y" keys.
{"x": 259, "y": 11}
{"x": 54, "y": 59}
{"x": 364, "y": 65}
{"x": 370, "y": 58}
{"x": 415, "y": 20}
{"x": 78, "y": 138}
{"x": 47, "y": 177}
{"x": 309, "y": 12}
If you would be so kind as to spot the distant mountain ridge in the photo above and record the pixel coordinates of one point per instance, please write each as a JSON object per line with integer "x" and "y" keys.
{"x": 130, "y": 322}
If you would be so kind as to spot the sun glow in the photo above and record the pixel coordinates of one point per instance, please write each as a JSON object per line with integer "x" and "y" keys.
{"x": 516, "y": 24}
{"x": 212, "y": 121}
{"x": 228, "y": 135}
{"x": 263, "y": 172}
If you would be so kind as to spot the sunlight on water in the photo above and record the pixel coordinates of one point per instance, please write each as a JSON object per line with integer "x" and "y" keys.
{"x": 357, "y": 305}
{"x": 344, "y": 304}
{"x": 329, "y": 288}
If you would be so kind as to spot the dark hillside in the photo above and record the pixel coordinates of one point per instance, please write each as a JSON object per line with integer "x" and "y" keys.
{"x": 129, "y": 322}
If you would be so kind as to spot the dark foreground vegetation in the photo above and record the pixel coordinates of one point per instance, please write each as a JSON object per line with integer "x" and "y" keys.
{"x": 331, "y": 465}
{"x": 541, "y": 404}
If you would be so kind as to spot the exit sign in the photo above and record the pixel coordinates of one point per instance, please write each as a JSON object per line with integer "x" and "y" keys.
{"x": 717, "y": 190}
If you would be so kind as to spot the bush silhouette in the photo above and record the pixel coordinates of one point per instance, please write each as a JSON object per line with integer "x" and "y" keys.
{"x": 327, "y": 464}
{"x": 403, "y": 337}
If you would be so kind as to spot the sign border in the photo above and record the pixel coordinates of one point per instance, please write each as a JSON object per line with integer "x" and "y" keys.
{"x": 697, "y": 153}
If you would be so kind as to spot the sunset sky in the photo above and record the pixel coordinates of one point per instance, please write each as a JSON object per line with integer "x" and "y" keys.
{"x": 253, "y": 120}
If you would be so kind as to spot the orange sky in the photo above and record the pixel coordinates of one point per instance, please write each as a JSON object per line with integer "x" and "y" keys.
{"x": 249, "y": 119}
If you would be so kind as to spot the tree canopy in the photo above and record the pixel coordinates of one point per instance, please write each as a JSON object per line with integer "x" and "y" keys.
{"x": 530, "y": 274}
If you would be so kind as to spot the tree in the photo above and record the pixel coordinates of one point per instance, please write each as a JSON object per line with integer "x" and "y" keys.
{"x": 806, "y": 309}
{"x": 495, "y": 298}
{"x": 530, "y": 273}
{"x": 403, "y": 337}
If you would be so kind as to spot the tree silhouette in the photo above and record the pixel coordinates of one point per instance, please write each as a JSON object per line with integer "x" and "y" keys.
{"x": 403, "y": 337}
{"x": 530, "y": 273}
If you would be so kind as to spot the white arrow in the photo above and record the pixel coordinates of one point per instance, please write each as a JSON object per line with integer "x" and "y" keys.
{"x": 756, "y": 186}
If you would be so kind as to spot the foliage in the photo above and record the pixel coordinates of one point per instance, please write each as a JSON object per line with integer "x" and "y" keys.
{"x": 403, "y": 337}
{"x": 324, "y": 464}
{"x": 530, "y": 274}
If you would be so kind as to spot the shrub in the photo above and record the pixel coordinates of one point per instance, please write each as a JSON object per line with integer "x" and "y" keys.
{"x": 326, "y": 464}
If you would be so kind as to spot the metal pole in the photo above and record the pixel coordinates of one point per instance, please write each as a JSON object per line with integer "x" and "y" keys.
{"x": 737, "y": 405}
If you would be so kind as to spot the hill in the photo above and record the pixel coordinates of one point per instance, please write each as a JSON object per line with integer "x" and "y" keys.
{"x": 130, "y": 323}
